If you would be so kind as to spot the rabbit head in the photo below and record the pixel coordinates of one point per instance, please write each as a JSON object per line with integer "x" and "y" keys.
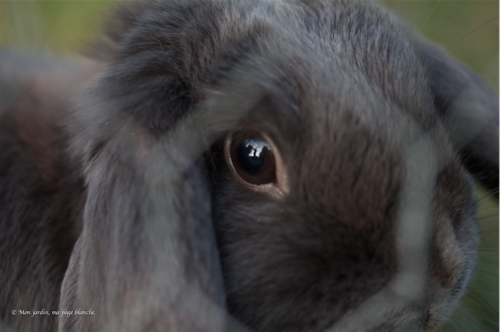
{"x": 304, "y": 165}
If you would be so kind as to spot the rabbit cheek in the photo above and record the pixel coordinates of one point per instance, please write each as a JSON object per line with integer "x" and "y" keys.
{"x": 288, "y": 268}
{"x": 455, "y": 241}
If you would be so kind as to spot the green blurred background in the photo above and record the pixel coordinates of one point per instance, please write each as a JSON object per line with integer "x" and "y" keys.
{"x": 467, "y": 29}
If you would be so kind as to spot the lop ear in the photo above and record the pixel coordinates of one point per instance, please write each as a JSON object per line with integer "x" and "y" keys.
{"x": 147, "y": 258}
{"x": 468, "y": 107}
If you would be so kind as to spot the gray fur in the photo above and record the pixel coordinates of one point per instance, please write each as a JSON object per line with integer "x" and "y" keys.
{"x": 129, "y": 177}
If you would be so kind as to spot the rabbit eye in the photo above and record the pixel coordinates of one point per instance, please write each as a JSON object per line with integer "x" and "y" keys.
{"x": 255, "y": 162}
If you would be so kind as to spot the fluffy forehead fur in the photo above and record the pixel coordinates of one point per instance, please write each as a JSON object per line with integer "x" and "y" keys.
{"x": 336, "y": 49}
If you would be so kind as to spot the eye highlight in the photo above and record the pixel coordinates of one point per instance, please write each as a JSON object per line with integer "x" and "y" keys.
{"x": 255, "y": 162}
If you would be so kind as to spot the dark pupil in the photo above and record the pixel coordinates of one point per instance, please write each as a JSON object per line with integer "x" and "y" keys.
{"x": 251, "y": 155}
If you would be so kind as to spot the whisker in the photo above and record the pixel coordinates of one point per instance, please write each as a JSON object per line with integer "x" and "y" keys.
{"x": 482, "y": 246}
{"x": 485, "y": 292}
{"x": 439, "y": 329}
{"x": 488, "y": 231}
{"x": 464, "y": 319}
{"x": 484, "y": 238}
{"x": 468, "y": 34}
{"x": 487, "y": 262}
{"x": 495, "y": 215}
{"x": 487, "y": 223}
{"x": 488, "y": 313}
{"x": 483, "y": 271}
{"x": 486, "y": 303}
{"x": 478, "y": 313}
{"x": 428, "y": 16}
{"x": 490, "y": 193}
{"x": 446, "y": 20}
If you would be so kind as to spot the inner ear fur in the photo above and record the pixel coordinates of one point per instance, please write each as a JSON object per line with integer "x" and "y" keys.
{"x": 468, "y": 107}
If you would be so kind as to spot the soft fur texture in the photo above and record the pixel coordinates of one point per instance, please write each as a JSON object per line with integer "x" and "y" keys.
{"x": 113, "y": 175}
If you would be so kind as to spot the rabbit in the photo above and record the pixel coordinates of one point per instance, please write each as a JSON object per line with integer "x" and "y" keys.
{"x": 235, "y": 165}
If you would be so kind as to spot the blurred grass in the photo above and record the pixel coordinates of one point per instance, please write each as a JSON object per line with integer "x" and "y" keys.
{"x": 62, "y": 26}
{"x": 467, "y": 29}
